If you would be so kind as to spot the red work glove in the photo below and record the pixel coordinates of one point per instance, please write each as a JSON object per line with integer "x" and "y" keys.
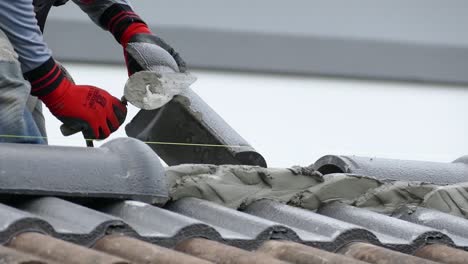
{"x": 80, "y": 107}
{"x": 142, "y": 49}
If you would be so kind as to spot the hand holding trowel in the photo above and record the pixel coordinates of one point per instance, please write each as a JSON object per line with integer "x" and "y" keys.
{"x": 157, "y": 74}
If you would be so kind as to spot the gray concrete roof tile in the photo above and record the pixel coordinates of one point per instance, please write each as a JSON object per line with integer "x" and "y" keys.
{"x": 328, "y": 232}
{"x": 188, "y": 119}
{"x": 255, "y": 228}
{"x": 197, "y": 218}
{"x": 159, "y": 225}
{"x": 454, "y": 226}
{"x": 332, "y": 227}
{"x": 123, "y": 168}
{"x": 393, "y": 169}
{"x": 67, "y": 217}
{"x": 395, "y": 230}
{"x": 13, "y": 221}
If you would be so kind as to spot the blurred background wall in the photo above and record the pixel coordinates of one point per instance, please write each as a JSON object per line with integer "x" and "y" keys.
{"x": 300, "y": 79}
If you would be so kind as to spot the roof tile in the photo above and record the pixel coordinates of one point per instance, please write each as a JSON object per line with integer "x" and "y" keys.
{"x": 188, "y": 119}
{"x": 379, "y": 255}
{"x": 13, "y": 220}
{"x": 394, "y": 233}
{"x": 11, "y": 256}
{"x": 141, "y": 252}
{"x": 393, "y": 169}
{"x": 314, "y": 229}
{"x": 301, "y": 254}
{"x": 223, "y": 254}
{"x": 159, "y": 225}
{"x": 67, "y": 217}
{"x": 123, "y": 168}
{"x": 252, "y": 228}
{"x": 443, "y": 254}
{"x": 60, "y": 251}
{"x": 134, "y": 231}
{"x": 456, "y": 227}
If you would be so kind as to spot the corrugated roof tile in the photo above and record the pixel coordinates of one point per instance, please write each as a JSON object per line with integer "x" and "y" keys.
{"x": 60, "y": 251}
{"x": 11, "y": 256}
{"x": 39, "y": 227}
{"x": 393, "y": 232}
{"x": 394, "y": 169}
{"x": 67, "y": 217}
{"x": 379, "y": 255}
{"x": 141, "y": 252}
{"x": 322, "y": 231}
{"x": 159, "y": 225}
{"x": 301, "y": 254}
{"x": 255, "y": 229}
{"x": 13, "y": 221}
{"x": 442, "y": 254}
{"x": 456, "y": 227}
{"x": 223, "y": 254}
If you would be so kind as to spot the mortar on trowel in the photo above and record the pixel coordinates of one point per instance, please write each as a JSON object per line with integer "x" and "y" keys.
{"x": 151, "y": 90}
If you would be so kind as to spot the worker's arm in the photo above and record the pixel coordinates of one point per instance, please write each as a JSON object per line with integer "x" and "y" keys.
{"x": 142, "y": 48}
{"x": 18, "y": 21}
{"x": 81, "y": 107}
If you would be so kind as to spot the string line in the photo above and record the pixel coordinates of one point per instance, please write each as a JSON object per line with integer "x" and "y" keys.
{"x": 146, "y": 142}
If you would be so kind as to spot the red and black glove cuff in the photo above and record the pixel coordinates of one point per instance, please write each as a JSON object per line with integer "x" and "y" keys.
{"x": 122, "y": 22}
{"x": 46, "y": 78}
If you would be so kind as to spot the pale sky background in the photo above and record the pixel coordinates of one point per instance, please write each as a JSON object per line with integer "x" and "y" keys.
{"x": 294, "y": 120}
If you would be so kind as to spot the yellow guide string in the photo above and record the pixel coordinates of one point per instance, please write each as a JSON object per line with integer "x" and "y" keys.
{"x": 147, "y": 142}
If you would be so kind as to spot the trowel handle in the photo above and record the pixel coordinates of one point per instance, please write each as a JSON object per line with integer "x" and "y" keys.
{"x": 67, "y": 131}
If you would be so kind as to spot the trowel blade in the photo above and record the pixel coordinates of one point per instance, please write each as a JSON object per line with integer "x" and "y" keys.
{"x": 151, "y": 90}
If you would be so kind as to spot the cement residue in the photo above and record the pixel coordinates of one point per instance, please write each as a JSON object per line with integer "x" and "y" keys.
{"x": 452, "y": 199}
{"x": 336, "y": 187}
{"x": 393, "y": 195}
{"x": 237, "y": 186}
{"x": 234, "y": 186}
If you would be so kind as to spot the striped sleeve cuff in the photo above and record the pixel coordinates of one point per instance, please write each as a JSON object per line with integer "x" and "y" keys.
{"x": 117, "y": 18}
{"x": 45, "y": 78}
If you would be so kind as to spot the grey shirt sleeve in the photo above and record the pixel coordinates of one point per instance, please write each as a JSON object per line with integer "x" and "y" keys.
{"x": 95, "y": 8}
{"x": 18, "y": 22}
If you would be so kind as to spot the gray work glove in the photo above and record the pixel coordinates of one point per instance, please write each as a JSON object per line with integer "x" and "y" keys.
{"x": 147, "y": 52}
